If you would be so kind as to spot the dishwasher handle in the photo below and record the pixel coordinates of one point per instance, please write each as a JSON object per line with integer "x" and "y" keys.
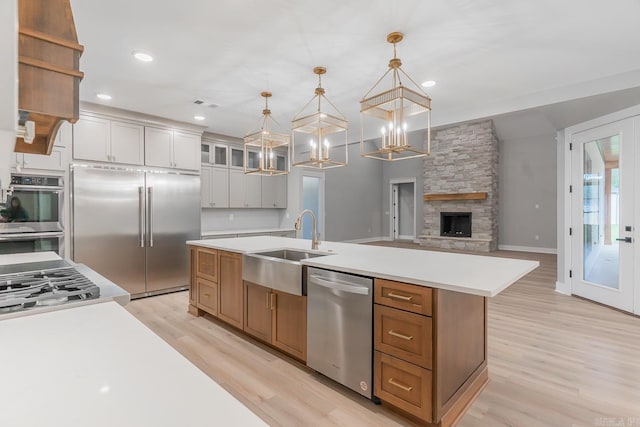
{"x": 339, "y": 285}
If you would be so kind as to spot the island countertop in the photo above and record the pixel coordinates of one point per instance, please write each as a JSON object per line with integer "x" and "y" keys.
{"x": 97, "y": 365}
{"x": 471, "y": 274}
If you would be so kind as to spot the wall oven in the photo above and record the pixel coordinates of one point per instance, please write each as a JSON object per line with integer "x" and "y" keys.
{"x": 31, "y": 242}
{"x": 31, "y": 217}
{"x": 35, "y": 205}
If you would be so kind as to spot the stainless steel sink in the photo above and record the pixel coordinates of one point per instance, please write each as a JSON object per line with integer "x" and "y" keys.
{"x": 280, "y": 269}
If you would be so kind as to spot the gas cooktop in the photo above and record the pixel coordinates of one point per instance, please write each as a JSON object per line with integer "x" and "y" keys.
{"x": 30, "y": 289}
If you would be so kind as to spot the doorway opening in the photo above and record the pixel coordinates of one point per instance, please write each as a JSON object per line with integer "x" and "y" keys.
{"x": 403, "y": 210}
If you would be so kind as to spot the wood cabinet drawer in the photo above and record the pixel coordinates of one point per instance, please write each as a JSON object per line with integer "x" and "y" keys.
{"x": 414, "y": 298}
{"x": 406, "y": 386}
{"x": 407, "y": 336}
{"x": 207, "y": 264}
{"x": 207, "y": 296}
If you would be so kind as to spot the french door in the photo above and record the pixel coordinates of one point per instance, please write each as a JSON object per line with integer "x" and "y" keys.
{"x": 605, "y": 196}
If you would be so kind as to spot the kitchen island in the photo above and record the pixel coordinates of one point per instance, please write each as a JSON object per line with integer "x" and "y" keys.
{"x": 429, "y": 314}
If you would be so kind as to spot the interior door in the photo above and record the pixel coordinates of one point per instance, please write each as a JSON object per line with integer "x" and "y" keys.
{"x": 108, "y": 225}
{"x": 173, "y": 217}
{"x": 604, "y": 192}
{"x": 395, "y": 212}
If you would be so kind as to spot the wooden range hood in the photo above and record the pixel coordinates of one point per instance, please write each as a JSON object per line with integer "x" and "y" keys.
{"x": 48, "y": 70}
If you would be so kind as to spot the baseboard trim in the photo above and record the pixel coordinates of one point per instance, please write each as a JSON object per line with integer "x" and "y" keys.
{"x": 552, "y": 251}
{"x": 563, "y": 289}
{"x": 366, "y": 240}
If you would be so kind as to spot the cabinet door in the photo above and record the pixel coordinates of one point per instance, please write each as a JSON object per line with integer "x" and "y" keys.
{"x": 269, "y": 184}
{"x": 186, "y": 151}
{"x": 207, "y": 296}
{"x": 91, "y": 139}
{"x": 206, "y": 178}
{"x": 230, "y": 289}
{"x": 193, "y": 291}
{"x": 220, "y": 188}
{"x": 236, "y": 158}
{"x": 289, "y": 324}
{"x": 253, "y": 191}
{"x": 56, "y": 161}
{"x": 207, "y": 264}
{"x": 221, "y": 155}
{"x": 257, "y": 311}
{"x": 158, "y": 147}
{"x": 236, "y": 189}
{"x": 281, "y": 192}
{"x": 127, "y": 143}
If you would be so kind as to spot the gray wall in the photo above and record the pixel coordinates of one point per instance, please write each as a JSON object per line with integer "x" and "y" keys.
{"x": 528, "y": 191}
{"x": 353, "y": 199}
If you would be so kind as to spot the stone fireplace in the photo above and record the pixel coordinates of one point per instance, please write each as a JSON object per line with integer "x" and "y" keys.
{"x": 461, "y": 189}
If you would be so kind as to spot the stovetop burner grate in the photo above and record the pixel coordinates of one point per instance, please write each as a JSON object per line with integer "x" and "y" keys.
{"x": 23, "y": 291}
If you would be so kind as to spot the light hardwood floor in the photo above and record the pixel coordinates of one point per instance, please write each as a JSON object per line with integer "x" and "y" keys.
{"x": 554, "y": 360}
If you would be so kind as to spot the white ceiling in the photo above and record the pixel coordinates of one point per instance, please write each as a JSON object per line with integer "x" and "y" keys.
{"x": 488, "y": 56}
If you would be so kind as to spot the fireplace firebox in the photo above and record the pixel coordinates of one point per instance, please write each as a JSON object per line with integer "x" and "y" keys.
{"x": 455, "y": 224}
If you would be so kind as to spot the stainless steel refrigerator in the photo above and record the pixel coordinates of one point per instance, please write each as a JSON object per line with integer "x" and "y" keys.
{"x": 131, "y": 225}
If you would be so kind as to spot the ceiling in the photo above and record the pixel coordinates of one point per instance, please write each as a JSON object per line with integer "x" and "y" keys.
{"x": 488, "y": 56}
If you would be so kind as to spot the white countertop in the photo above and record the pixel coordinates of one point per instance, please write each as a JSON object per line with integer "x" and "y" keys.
{"x": 9, "y": 259}
{"x": 250, "y": 231}
{"x": 97, "y": 365}
{"x": 471, "y": 274}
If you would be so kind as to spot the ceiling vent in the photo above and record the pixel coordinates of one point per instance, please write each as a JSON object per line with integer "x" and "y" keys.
{"x": 198, "y": 102}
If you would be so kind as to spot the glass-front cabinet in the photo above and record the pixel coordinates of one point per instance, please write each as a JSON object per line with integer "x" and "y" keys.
{"x": 214, "y": 154}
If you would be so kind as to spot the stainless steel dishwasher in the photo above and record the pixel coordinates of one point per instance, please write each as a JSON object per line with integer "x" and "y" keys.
{"x": 339, "y": 328}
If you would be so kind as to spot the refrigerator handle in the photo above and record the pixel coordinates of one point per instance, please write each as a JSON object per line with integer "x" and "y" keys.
{"x": 142, "y": 224}
{"x": 150, "y": 201}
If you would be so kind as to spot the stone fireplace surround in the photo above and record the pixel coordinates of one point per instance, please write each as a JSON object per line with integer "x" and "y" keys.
{"x": 464, "y": 159}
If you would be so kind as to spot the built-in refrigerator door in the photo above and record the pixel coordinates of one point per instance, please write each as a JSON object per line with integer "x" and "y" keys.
{"x": 173, "y": 217}
{"x": 108, "y": 224}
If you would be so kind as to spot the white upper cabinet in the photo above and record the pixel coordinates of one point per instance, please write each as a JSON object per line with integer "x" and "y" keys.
{"x": 91, "y": 139}
{"x": 158, "y": 147}
{"x": 186, "y": 150}
{"x": 245, "y": 191}
{"x": 127, "y": 143}
{"x": 274, "y": 191}
{"x": 206, "y": 179}
{"x": 56, "y": 161}
{"x": 103, "y": 140}
{"x": 171, "y": 149}
{"x": 220, "y": 188}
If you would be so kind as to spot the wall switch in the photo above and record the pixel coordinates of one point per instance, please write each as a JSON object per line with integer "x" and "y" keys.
{"x": 230, "y": 217}
{"x": 537, "y": 206}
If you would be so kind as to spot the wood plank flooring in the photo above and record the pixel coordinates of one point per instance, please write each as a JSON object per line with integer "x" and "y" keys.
{"x": 554, "y": 360}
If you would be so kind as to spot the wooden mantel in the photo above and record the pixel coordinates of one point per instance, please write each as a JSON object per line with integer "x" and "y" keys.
{"x": 455, "y": 196}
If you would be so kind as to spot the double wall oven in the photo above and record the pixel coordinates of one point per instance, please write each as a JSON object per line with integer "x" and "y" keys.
{"x": 31, "y": 219}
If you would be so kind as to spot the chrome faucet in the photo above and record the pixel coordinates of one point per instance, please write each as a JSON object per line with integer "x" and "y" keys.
{"x": 315, "y": 241}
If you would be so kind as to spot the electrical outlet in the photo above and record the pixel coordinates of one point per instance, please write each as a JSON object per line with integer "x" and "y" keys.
{"x": 231, "y": 217}
{"x": 537, "y": 237}
{"x": 287, "y": 215}
{"x": 537, "y": 206}
{"x": 369, "y": 231}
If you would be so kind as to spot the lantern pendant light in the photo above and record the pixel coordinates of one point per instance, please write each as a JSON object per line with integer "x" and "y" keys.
{"x": 266, "y": 152}
{"x": 393, "y": 111}
{"x": 319, "y": 132}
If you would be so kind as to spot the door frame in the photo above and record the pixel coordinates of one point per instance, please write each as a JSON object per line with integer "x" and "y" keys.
{"x": 566, "y": 285}
{"x": 322, "y": 176}
{"x": 396, "y": 181}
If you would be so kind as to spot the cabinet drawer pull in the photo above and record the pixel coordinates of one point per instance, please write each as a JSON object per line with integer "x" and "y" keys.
{"x": 397, "y": 335}
{"x": 398, "y": 296}
{"x": 399, "y": 385}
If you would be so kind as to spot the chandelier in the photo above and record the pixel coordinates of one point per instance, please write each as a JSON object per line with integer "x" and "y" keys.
{"x": 266, "y": 152}
{"x": 390, "y": 110}
{"x": 319, "y": 134}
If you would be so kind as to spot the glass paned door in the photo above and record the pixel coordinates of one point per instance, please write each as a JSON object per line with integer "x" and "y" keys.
{"x": 603, "y": 214}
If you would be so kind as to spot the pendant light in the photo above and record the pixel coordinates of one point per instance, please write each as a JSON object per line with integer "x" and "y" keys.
{"x": 392, "y": 110}
{"x": 319, "y": 132}
{"x": 266, "y": 152}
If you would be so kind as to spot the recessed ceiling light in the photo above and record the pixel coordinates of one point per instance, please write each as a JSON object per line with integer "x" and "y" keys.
{"x": 199, "y": 117}
{"x": 429, "y": 83}
{"x": 104, "y": 96}
{"x": 142, "y": 56}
